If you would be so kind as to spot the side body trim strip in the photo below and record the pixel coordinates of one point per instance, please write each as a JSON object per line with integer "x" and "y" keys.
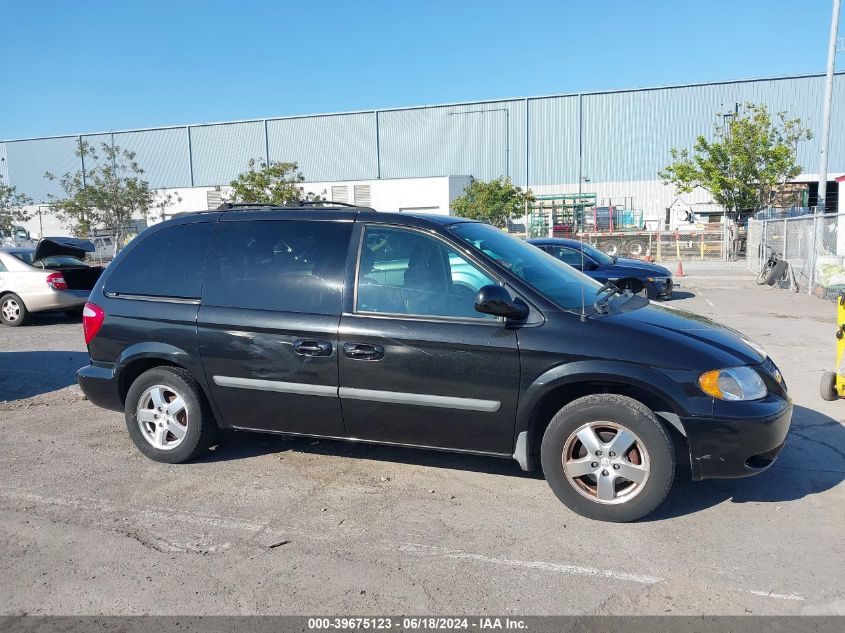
{"x": 421, "y": 399}
{"x": 371, "y": 395}
{"x": 275, "y": 385}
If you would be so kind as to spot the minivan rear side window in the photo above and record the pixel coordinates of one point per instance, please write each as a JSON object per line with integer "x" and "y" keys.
{"x": 281, "y": 265}
{"x": 167, "y": 263}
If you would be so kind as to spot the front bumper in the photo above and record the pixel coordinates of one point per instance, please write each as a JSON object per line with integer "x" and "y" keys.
{"x": 741, "y": 444}
{"x": 101, "y": 386}
{"x": 660, "y": 288}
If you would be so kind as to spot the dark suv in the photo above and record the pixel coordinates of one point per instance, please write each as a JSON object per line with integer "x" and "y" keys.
{"x": 432, "y": 332}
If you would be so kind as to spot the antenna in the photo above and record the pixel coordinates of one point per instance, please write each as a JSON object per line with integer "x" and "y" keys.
{"x": 581, "y": 236}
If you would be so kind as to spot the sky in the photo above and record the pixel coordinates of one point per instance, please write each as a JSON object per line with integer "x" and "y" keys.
{"x": 90, "y": 66}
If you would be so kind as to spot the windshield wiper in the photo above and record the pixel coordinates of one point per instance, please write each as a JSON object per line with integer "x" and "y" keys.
{"x": 600, "y": 303}
{"x": 610, "y": 290}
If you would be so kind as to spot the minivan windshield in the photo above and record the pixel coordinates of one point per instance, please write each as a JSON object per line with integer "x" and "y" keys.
{"x": 561, "y": 283}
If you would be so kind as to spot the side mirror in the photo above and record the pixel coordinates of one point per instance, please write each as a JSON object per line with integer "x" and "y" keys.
{"x": 588, "y": 265}
{"x": 495, "y": 300}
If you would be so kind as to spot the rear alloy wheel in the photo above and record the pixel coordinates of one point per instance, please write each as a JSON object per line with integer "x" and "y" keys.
{"x": 13, "y": 312}
{"x": 608, "y": 457}
{"x": 167, "y": 416}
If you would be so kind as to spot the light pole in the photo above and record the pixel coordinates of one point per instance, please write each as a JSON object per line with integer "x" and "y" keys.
{"x": 828, "y": 99}
{"x": 507, "y": 132}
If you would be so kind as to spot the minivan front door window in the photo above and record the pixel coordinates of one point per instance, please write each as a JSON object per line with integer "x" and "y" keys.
{"x": 408, "y": 272}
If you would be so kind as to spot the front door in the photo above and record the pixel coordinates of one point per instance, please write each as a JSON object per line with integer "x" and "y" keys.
{"x": 418, "y": 365}
{"x": 267, "y": 326}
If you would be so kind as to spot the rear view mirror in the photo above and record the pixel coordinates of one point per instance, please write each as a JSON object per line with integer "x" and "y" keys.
{"x": 495, "y": 300}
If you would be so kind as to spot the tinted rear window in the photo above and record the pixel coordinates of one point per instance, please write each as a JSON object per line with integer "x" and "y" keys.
{"x": 167, "y": 263}
{"x": 282, "y": 265}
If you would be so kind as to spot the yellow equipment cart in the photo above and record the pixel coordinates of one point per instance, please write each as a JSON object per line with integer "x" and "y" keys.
{"x": 833, "y": 382}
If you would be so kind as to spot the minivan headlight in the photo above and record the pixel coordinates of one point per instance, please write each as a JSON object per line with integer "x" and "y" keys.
{"x": 733, "y": 383}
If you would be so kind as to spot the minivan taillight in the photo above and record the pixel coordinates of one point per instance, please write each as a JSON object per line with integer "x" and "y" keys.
{"x": 92, "y": 320}
{"x": 56, "y": 281}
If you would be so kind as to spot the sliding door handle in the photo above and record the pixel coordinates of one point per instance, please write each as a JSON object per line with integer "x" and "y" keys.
{"x": 307, "y": 347}
{"x": 363, "y": 351}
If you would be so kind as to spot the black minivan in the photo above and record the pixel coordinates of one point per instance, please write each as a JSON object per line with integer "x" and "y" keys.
{"x": 422, "y": 331}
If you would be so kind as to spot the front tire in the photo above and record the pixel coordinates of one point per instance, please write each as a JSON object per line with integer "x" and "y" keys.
{"x": 167, "y": 416}
{"x": 13, "y": 311}
{"x": 607, "y": 457}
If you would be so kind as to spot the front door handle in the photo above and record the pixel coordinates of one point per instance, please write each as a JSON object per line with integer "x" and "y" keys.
{"x": 308, "y": 347}
{"x": 363, "y": 351}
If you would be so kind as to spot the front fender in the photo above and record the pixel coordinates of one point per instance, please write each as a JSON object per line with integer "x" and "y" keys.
{"x": 609, "y": 371}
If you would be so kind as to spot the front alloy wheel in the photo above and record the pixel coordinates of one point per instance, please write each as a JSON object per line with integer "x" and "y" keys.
{"x": 606, "y": 462}
{"x": 608, "y": 457}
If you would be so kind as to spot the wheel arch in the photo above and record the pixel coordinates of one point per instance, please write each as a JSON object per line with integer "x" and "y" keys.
{"x": 561, "y": 385}
{"x": 136, "y": 359}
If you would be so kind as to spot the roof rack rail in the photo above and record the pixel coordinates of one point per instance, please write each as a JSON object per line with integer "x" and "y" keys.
{"x": 231, "y": 206}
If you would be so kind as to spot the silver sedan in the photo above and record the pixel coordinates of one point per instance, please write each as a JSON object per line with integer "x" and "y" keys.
{"x": 53, "y": 276}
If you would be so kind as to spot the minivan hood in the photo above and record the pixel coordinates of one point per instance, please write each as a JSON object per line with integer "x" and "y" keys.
{"x": 72, "y": 246}
{"x": 725, "y": 345}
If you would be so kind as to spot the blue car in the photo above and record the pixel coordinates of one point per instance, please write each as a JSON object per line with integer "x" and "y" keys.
{"x": 635, "y": 275}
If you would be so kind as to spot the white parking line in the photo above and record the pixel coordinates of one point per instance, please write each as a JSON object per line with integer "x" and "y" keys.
{"x": 778, "y": 596}
{"x": 251, "y": 529}
{"x": 576, "y": 570}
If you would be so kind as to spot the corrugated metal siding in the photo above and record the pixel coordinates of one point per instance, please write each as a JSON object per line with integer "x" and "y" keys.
{"x": 95, "y": 142}
{"x": 28, "y": 160}
{"x": 339, "y": 147}
{"x": 163, "y": 154}
{"x": 454, "y": 140}
{"x": 626, "y": 136}
{"x": 553, "y": 140}
{"x": 221, "y": 152}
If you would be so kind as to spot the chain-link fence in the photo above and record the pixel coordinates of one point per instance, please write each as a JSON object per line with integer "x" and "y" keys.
{"x": 813, "y": 246}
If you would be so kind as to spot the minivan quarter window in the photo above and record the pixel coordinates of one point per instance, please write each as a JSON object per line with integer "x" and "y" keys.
{"x": 402, "y": 271}
{"x": 166, "y": 263}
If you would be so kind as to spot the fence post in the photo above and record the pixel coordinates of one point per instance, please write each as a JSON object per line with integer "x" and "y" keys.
{"x": 785, "y": 226}
{"x": 812, "y": 254}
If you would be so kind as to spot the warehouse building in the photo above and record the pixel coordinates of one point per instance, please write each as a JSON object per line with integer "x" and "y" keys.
{"x": 607, "y": 144}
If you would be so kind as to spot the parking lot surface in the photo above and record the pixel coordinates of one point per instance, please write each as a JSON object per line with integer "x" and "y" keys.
{"x": 274, "y": 525}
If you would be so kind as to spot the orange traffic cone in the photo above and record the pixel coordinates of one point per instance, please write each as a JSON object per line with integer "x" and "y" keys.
{"x": 680, "y": 271}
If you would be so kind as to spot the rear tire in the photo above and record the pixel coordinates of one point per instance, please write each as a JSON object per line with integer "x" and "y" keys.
{"x": 13, "y": 311}
{"x": 167, "y": 416}
{"x": 602, "y": 491}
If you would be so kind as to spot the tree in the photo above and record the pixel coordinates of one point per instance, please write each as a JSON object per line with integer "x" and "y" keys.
{"x": 749, "y": 161}
{"x": 110, "y": 193}
{"x": 12, "y": 207}
{"x": 275, "y": 184}
{"x": 494, "y": 201}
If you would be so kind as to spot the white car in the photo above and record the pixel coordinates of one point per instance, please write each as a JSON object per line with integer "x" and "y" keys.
{"x": 51, "y": 276}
